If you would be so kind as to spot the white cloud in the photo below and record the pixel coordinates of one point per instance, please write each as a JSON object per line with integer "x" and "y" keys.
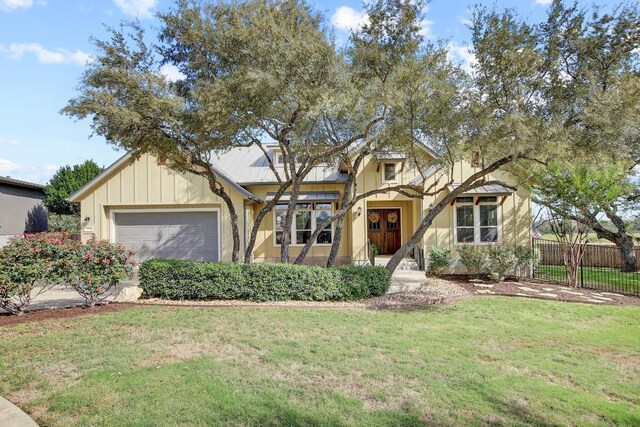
{"x": 40, "y": 174}
{"x": 462, "y": 55}
{"x": 171, "y": 72}
{"x": 8, "y": 141}
{"x": 11, "y": 5}
{"x": 346, "y": 18}
{"x": 45, "y": 56}
{"x": 543, "y": 2}
{"x": 425, "y": 28}
{"x": 137, "y": 8}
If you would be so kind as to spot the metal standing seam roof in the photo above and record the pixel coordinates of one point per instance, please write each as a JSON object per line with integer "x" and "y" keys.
{"x": 308, "y": 196}
{"x": 247, "y": 166}
{"x": 493, "y": 189}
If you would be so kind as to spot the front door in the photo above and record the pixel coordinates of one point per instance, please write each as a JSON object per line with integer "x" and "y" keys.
{"x": 383, "y": 227}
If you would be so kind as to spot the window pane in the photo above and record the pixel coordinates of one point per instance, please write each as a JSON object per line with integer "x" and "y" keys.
{"x": 278, "y": 237}
{"x": 389, "y": 171}
{"x": 323, "y": 206}
{"x": 374, "y": 218}
{"x": 488, "y": 234}
{"x": 488, "y": 199}
{"x": 464, "y": 199}
{"x": 279, "y": 222}
{"x": 464, "y": 216}
{"x": 303, "y": 220}
{"x": 324, "y": 237}
{"x": 303, "y": 206}
{"x": 302, "y": 237}
{"x": 465, "y": 235}
{"x": 488, "y": 215}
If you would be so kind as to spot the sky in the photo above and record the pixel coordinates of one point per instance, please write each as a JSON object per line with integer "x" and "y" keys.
{"x": 45, "y": 46}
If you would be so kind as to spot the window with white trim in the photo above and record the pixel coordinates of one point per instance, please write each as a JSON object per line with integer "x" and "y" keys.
{"x": 307, "y": 217}
{"x": 278, "y": 158}
{"x": 389, "y": 172}
{"x": 476, "y": 220}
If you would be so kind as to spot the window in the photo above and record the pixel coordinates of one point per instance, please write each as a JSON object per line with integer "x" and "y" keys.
{"x": 278, "y": 158}
{"x": 389, "y": 172}
{"x": 307, "y": 217}
{"x": 476, "y": 220}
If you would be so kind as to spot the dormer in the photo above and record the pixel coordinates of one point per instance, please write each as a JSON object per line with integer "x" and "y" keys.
{"x": 277, "y": 157}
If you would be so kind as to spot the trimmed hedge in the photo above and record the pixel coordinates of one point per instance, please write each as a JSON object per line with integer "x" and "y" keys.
{"x": 194, "y": 280}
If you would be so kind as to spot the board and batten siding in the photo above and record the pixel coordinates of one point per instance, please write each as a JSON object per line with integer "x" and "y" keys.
{"x": 143, "y": 184}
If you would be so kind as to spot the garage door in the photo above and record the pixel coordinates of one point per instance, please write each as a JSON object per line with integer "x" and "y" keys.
{"x": 177, "y": 235}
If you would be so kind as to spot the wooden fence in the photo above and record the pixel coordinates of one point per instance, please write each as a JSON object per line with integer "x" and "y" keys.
{"x": 549, "y": 252}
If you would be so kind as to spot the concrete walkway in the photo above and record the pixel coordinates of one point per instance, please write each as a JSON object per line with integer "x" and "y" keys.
{"x": 407, "y": 276}
{"x": 12, "y": 416}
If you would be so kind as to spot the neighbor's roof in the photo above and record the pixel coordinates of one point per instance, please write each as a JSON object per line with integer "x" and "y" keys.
{"x": 122, "y": 160}
{"x": 248, "y": 165}
{"x": 22, "y": 184}
{"x": 492, "y": 189}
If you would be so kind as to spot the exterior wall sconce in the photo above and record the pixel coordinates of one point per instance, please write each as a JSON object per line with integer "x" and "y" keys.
{"x": 359, "y": 211}
{"x": 87, "y": 219}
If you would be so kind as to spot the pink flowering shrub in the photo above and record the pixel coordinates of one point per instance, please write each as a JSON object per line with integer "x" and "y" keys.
{"x": 31, "y": 264}
{"x": 99, "y": 266}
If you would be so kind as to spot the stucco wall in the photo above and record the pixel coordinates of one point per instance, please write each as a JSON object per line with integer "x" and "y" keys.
{"x": 21, "y": 210}
{"x": 144, "y": 184}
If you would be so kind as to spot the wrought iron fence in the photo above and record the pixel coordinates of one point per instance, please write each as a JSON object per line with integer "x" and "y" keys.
{"x": 599, "y": 268}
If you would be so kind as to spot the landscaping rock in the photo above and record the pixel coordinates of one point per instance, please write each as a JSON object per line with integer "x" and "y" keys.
{"x": 548, "y": 294}
{"x": 602, "y": 298}
{"x": 596, "y": 301}
{"x": 480, "y": 285}
{"x": 128, "y": 294}
{"x": 524, "y": 288}
{"x": 570, "y": 292}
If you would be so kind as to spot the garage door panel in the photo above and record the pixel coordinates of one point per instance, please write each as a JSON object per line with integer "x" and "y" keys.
{"x": 177, "y": 235}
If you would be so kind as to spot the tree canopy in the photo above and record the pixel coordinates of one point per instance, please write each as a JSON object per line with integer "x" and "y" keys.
{"x": 66, "y": 181}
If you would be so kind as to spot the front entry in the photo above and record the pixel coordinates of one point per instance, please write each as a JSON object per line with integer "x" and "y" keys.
{"x": 383, "y": 227}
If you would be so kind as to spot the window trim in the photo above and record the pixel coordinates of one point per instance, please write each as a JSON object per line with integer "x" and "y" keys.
{"x": 293, "y": 230}
{"x": 277, "y": 153}
{"x": 476, "y": 221}
{"x": 395, "y": 169}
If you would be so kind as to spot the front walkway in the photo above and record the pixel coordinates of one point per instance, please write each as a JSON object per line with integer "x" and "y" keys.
{"x": 12, "y": 416}
{"x": 407, "y": 276}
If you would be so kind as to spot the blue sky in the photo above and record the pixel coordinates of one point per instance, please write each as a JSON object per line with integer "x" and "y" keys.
{"x": 44, "y": 45}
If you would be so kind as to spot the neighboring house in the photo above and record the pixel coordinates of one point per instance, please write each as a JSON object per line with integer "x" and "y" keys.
{"x": 21, "y": 208}
{"x": 162, "y": 213}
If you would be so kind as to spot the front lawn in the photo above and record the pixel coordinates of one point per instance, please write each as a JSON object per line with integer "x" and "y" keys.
{"x": 596, "y": 277}
{"x": 484, "y": 361}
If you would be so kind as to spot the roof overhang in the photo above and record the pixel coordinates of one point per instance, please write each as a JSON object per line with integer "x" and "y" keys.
{"x": 21, "y": 184}
{"x": 78, "y": 195}
{"x": 308, "y": 196}
{"x": 485, "y": 190}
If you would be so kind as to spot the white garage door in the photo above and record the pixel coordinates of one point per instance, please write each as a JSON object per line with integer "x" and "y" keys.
{"x": 190, "y": 235}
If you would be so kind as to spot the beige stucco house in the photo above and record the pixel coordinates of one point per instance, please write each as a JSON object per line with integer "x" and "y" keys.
{"x": 161, "y": 213}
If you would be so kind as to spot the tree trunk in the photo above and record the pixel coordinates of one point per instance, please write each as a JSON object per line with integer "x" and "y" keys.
{"x": 248, "y": 253}
{"x": 628, "y": 256}
{"x": 288, "y": 220}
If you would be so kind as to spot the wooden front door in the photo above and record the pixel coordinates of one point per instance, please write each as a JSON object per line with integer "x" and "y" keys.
{"x": 383, "y": 227}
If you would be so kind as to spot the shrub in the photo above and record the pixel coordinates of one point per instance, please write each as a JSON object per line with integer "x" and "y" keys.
{"x": 524, "y": 258}
{"x": 33, "y": 261}
{"x": 358, "y": 282}
{"x": 65, "y": 223}
{"x": 472, "y": 257}
{"x": 500, "y": 259}
{"x": 98, "y": 267}
{"x": 180, "y": 280}
{"x": 439, "y": 259}
{"x": 173, "y": 279}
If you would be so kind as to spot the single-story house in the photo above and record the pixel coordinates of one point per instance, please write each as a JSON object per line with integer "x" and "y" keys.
{"x": 21, "y": 209}
{"x": 161, "y": 213}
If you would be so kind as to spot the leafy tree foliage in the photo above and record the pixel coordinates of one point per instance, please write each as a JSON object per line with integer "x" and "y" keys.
{"x": 66, "y": 181}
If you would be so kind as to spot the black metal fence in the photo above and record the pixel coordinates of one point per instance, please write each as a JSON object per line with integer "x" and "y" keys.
{"x": 599, "y": 268}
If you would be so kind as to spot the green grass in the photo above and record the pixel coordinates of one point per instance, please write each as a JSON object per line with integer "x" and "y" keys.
{"x": 485, "y": 361}
{"x": 610, "y": 278}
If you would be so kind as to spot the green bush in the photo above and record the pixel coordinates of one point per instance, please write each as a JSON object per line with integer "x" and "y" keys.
{"x": 472, "y": 257}
{"x": 190, "y": 280}
{"x": 360, "y": 282}
{"x": 524, "y": 259}
{"x": 500, "y": 259}
{"x": 439, "y": 259}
